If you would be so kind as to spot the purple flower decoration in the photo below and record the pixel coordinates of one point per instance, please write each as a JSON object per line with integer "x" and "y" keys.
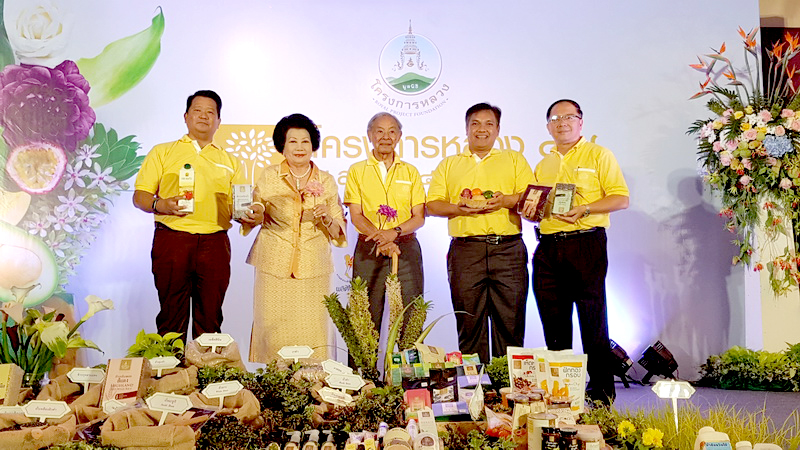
{"x": 388, "y": 212}
{"x": 777, "y": 146}
{"x": 38, "y": 103}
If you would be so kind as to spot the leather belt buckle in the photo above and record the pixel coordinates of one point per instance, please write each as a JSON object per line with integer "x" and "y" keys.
{"x": 493, "y": 239}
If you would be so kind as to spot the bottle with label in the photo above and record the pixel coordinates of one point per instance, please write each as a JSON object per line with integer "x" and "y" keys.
{"x": 186, "y": 188}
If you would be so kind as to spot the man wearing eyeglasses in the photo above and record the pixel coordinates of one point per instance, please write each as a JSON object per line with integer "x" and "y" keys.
{"x": 570, "y": 262}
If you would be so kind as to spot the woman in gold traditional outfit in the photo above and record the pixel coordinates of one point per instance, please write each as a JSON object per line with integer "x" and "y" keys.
{"x": 292, "y": 252}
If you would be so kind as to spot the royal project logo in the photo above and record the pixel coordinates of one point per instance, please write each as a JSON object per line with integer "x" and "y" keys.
{"x": 410, "y": 68}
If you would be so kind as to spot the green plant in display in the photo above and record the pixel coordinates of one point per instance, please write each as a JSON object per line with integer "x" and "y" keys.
{"x": 497, "y": 369}
{"x": 416, "y": 321}
{"x": 474, "y": 440}
{"x": 152, "y": 345}
{"x": 741, "y": 368}
{"x": 355, "y": 324}
{"x": 370, "y": 409}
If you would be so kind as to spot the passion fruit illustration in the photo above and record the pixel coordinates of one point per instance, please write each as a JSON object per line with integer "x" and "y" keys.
{"x": 37, "y": 167}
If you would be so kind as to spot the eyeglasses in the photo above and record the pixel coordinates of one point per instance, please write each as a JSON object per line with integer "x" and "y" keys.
{"x": 564, "y": 118}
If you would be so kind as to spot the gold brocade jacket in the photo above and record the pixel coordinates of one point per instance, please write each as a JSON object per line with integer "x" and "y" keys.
{"x": 290, "y": 243}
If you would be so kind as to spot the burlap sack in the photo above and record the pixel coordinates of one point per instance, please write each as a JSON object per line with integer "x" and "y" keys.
{"x": 200, "y": 356}
{"x": 244, "y": 406}
{"x": 137, "y": 429}
{"x": 89, "y": 398}
{"x": 58, "y": 389}
{"x": 183, "y": 382}
{"x": 34, "y": 438}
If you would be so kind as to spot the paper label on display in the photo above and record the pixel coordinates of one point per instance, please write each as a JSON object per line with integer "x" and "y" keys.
{"x": 295, "y": 352}
{"x": 215, "y": 340}
{"x": 333, "y": 367}
{"x": 11, "y": 410}
{"x": 161, "y": 363}
{"x": 223, "y": 389}
{"x": 112, "y": 406}
{"x": 86, "y": 376}
{"x": 45, "y": 409}
{"x": 342, "y": 381}
{"x": 335, "y": 397}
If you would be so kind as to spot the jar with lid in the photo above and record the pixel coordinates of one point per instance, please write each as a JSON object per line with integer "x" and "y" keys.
{"x": 569, "y": 439}
{"x": 590, "y": 439}
{"x": 551, "y": 439}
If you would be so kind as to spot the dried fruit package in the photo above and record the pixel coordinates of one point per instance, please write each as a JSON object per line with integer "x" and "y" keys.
{"x": 567, "y": 378}
{"x": 522, "y": 368}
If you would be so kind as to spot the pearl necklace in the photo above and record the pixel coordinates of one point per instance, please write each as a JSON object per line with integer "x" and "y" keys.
{"x": 298, "y": 178}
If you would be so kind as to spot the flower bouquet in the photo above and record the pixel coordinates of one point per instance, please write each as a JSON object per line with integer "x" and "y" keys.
{"x": 749, "y": 151}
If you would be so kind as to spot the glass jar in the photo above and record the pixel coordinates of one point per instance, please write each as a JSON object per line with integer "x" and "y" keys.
{"x": 551, "y": 439}
{"x": 569, "y": 439}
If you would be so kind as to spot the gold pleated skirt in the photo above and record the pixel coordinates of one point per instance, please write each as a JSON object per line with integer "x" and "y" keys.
{"x": 288, "y": 311}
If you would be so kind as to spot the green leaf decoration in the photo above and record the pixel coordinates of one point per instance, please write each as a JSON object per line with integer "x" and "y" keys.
{"x": 6, "y": 53}
{"x": 123, "y": 63}
{"x": 119, "y": 154}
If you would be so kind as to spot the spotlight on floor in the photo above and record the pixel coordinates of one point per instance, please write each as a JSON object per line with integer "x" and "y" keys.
{"x": 658, "y": 361}
{"x": 621, "y": 362}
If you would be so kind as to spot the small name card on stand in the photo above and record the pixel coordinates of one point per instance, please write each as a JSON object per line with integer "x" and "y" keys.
{"x": 335, "y": 397}
{"x": 45, "y": 409}
{"x": 86, "y": 376}
{"x": 335, "y": 367}
{"x": 11, "y": 410}
{"x": 295, "y": 352}
{"x": 345, "y": 382}
{"x": 112, "y": 406}
{"x": 168, "y": 403}
{"x": 161, "y": 363}
{"x": 215, "y": 340}
{"x": 222, "y": 389}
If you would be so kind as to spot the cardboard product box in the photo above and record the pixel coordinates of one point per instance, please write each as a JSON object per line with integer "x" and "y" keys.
{"x": 451, "y": 411}
{"x": 242, "y": 199}
{"x": 10, "y": 384}
{"x": 126, "y": 380}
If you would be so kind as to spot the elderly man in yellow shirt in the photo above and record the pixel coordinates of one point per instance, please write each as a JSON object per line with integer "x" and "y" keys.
{"x": 487, "y": 260}
{"x": 383, "y": 179}
{"x": 191, "y": 250}
{"x": 570, "y": 262}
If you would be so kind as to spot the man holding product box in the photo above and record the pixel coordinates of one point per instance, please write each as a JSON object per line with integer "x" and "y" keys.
{"x": 187, "y": 185}
{"x": 487, "y": 260}
{"x": 570, "y": 262}
{"x": 383, "y": 179}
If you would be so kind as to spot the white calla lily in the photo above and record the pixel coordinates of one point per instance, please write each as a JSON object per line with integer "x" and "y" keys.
{"x": 96, "y": 304}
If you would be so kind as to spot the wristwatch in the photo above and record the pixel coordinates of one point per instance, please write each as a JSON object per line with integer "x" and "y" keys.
{"x": 585, "y": 213}
{"x": 399, "y": 232}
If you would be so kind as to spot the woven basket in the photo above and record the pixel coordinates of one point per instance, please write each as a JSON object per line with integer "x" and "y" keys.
{"x": 473, "y": 202}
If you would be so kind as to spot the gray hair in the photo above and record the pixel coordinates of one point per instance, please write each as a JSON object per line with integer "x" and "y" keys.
{"x": 383, "y": 114}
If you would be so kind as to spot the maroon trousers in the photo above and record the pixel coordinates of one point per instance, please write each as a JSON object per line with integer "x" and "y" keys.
{"x": 191, "y": 273}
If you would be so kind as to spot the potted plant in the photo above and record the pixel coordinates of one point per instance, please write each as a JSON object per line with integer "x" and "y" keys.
{"x": 32, "y": 337}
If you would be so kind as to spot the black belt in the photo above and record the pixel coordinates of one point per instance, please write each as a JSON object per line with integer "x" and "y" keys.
{"x": 490, "y": 238}
{"x": 399, "y": 240}
{"x": 563, "y": 235}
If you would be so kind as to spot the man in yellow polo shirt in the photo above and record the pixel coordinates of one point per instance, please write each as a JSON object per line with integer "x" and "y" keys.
{"x": 570, "y": 262}
{"x": 191, "y": 251}
{"x": 383, "y": 179}
{"x": 487, "y": 261}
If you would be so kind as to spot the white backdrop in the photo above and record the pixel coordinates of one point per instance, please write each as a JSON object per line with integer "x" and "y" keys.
{"x": 626, "y": 62}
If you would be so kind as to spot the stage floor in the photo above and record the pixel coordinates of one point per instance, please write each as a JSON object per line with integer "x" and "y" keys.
{"x": 777, "y": 405}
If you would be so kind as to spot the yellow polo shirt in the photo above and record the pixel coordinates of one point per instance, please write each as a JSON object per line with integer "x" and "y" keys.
{"x": 506, "y": 171}
{"x": 214, "y": 172}
{"x": 595, "y": 173}
{"x": 402, "y": 189}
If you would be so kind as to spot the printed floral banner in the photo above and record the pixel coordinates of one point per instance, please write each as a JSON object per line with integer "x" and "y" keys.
{"x": 61, "y": 168}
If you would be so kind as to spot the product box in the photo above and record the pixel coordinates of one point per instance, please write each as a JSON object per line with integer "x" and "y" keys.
{"x": 562, "y": 199}
{"x": 10, "y": 383}
{"x": 186, "y": 188}
{"x": 451, "y": 411}
{"x": 126, "y": 380}
{"x": 242, "y": 199}
{"x": 535, "y": 201}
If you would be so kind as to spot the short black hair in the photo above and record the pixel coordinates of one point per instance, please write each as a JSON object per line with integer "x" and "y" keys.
{"x": 208, "y": 94}
{"x": 294, "y": 121}
{"x": 483, "y": 107}
{"x": 573, "y": 102}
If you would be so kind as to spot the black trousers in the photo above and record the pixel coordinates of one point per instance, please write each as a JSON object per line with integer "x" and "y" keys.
{"x": 191, "y": 273}
{"x": 374, "y": 269}
{"x": 572, "y": 271}
{"x": 488, "y": 281}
